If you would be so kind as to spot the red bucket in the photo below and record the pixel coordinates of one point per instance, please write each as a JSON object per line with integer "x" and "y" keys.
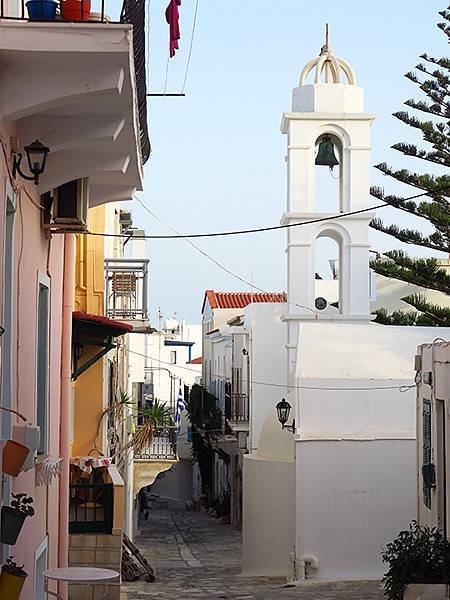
{"x": 75, "y": 10}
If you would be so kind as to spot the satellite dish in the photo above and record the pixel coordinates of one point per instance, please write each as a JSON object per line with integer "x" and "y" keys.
{"x": 320, "y": 303}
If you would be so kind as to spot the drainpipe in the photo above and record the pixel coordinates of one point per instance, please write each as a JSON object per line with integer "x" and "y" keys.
{"x": 306, "y": 559}
{"x": 66, "y": 352}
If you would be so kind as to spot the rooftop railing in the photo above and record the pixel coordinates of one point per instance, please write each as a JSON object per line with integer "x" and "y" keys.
{"x": 96, "y": 11}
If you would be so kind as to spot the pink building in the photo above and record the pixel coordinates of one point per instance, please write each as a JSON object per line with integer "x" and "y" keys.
{"x": 79, "y": 88}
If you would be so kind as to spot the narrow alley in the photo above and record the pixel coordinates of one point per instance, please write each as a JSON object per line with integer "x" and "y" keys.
{"x": 195, "y": 556}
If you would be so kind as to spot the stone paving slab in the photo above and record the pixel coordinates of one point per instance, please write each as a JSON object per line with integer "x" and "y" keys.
{"x": 196, "y": 557}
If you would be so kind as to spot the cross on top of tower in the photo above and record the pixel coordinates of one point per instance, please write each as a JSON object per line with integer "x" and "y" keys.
{"x": 331, "y": 67}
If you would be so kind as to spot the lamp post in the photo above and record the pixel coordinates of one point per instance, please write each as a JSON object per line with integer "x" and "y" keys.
{"x": 37, "y": 155}
{"x": 283, "y": 410}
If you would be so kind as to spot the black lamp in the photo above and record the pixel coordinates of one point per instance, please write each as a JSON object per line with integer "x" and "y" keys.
{"x": 37, "y": 155}
{"x": 283, "y": 409}
{"x": 325, "y": 155}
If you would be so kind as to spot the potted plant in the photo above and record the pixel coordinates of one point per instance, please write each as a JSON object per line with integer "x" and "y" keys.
{"x": 13, "y": 518}
{"x": 13, "y": 457}
{"x": 419, "y": 564}
{"x": 75, "y": 10}
{"x": 41, "y": 10}
{"x": 12, "y": 579}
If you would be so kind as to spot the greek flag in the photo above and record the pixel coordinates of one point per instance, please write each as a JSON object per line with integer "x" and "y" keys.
{"x": 180, "y": 407}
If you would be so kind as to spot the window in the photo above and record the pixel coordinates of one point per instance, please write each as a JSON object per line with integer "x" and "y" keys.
{"x": 426, "y": 449}
{"x": 42, "y": 362}
{"x": 173, "y": 357}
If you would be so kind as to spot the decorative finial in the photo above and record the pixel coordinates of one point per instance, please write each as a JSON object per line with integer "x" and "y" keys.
{"x": 326, "y": 48}
{"x": 326, "y": 35}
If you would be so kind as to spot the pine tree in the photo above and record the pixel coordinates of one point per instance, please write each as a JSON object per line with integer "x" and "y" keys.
{"x": 433, "y": 205}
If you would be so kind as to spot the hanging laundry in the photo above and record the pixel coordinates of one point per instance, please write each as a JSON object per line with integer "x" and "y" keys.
{"x": 172, "y": 18}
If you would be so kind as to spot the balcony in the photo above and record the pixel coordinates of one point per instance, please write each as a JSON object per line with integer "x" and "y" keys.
{"x": 162, "y": 447}
{"x": 239, "y": 409}
{"x": 57, "y": 77}
{"x": 126, "y": 285}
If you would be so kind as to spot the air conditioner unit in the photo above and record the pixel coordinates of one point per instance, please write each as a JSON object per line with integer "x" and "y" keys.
{"x": 70, "y": 205}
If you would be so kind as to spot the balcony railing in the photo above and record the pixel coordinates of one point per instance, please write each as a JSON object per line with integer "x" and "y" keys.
{"x": 126, "y": 283}
{"x": 162, "y": 447}
{"x": 91, "y": 508}
{"x": 102, "y": 11}
{"x": 238, "y": 408}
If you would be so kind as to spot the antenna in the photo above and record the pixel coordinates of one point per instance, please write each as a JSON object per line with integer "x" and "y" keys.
{"x": 327, "y": 35}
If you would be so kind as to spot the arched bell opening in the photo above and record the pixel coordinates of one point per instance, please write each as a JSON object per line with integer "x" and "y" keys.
{"x": 328, "y": 166}
{"x": 328, "y": 273}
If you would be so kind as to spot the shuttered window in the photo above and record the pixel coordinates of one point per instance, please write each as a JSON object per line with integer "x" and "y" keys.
{"x": 426, "y": 448}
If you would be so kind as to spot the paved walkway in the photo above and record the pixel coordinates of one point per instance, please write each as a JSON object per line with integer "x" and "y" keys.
{"x": 196, "y": 557}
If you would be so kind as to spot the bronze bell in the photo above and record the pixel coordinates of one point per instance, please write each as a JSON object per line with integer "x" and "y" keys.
{"x": 325, "y": 155}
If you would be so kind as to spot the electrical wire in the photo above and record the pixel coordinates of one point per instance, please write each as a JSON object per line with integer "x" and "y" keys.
{"x": 262, "y": 229}
{"x": 216, "y": 262}
{"x": 190, "y": 47}
{"x": 401, "y": 388}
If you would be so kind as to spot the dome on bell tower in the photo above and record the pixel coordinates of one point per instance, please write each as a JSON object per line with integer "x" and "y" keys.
{"x": 332, "y": 89}
{"x": 328, "y": 68}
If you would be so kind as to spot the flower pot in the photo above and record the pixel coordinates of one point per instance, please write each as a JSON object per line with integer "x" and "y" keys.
{"x": 12, "y": 523}
{"x": 14, "y": 457}
{"x": 41, "y": 10}
{"x": 11, "y": 586}
{"x": 75, "y": 10}
{"x": 424, "y": 591}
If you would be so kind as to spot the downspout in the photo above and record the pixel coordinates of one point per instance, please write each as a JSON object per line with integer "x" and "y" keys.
{"x": 306, "y": 559}
{"x": 66, "y": 352}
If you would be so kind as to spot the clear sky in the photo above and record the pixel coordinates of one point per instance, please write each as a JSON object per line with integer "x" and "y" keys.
{"x": 218, "y": 155}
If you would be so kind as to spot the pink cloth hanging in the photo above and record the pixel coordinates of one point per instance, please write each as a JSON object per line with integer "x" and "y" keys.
{"x": 172, "y": 18}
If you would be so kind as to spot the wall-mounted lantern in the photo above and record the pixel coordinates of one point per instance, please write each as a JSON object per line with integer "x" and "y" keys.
{"x": 283, "y": 410}
{"x": 37, "y": 155}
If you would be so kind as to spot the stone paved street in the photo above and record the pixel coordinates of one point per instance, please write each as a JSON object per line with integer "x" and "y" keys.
{"x": 196, "y": 557}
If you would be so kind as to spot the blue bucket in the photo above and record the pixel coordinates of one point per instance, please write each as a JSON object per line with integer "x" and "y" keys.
{"x": 41, "y": 10}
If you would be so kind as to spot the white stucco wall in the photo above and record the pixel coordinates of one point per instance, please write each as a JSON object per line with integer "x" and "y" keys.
{"x": 355, "y": 448}
{"x": 268, "y": 362}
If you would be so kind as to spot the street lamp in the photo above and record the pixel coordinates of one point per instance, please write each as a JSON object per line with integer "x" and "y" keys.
{"x": 283, "y": 409}
{"x": 37, "y": 155}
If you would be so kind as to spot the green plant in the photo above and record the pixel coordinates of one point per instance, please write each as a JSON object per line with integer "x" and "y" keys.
{"x": 13, "y": 568}
{"x": 417, "y": 555}
{"x": 157, "y": 416}
{"x": 22, "y": 504}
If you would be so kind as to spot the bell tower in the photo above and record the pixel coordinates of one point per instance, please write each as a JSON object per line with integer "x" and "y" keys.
{"x": 328, "y": 135}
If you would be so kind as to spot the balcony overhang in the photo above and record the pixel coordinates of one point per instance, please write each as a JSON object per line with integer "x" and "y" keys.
{"x": 73, "y": 87}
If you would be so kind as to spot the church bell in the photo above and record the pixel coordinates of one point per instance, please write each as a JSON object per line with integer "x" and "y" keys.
{"x": 325, "y": 155}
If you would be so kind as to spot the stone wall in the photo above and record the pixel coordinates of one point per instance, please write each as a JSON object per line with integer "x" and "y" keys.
{"x": 102, "y": 551}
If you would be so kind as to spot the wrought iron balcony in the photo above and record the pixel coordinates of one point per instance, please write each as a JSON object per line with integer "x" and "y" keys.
{"x": 162, "y": 447}
{"x": 126, "y": 284}
{"x": 239, "y": 408}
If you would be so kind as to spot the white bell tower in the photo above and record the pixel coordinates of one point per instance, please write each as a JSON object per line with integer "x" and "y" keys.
{"x": 327, "y": 114}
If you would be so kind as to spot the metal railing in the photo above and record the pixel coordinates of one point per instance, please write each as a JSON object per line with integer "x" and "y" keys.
{"x": 132, "y": 13}
{"x": 239, "y": 409}
{"x": 91, "y": 507}
{"x": 162, "y": 447}
{"x": 126, "y": 284}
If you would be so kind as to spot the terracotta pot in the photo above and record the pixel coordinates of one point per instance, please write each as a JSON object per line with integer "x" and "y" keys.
{"x": 11, "y": 526}
{"x": 14, "y": 457}
{"x": 10, "y": 586}
{"x": 75, "y": 10}
{"x": 426, "y": 591}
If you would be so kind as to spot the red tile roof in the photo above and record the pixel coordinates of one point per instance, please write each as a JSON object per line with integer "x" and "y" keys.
{"x": 239, "y": 299}
{"x": 116, "y": 328}
{"x": 196, "y": 361}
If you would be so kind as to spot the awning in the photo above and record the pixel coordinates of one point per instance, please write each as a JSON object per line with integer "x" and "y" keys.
{"x": 93, "y": 330}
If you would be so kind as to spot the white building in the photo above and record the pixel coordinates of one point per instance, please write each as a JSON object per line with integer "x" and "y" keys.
{"x": 327, "y": 508}
{"x": 433, "y": 425}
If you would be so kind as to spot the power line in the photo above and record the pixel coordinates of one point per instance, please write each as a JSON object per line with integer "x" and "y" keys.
{"x": 213, "y": 260}
{"x": 261, "y": 229}
{"x": 190, "y": 47}
{"x": 401, "y": 388}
